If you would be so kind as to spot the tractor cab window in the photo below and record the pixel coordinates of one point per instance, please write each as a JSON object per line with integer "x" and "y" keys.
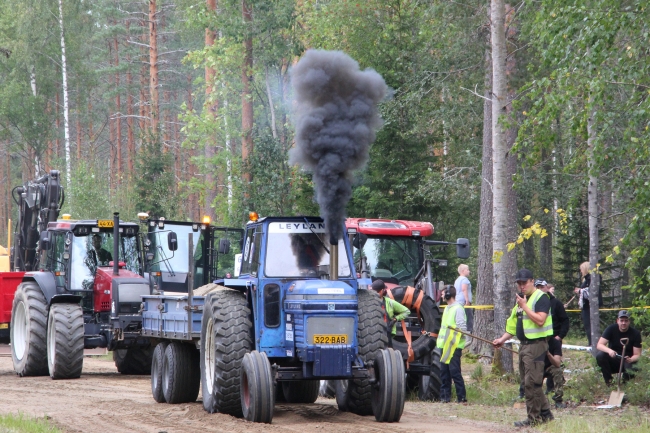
{"x": 176, "y": 261}
{"x": 295, "y": 250}
{"x": 52, "y": 259}
{"x": 390, "y": 259}
{"x": 88, "y": 253}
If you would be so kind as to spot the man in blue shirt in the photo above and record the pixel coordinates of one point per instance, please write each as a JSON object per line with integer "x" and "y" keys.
{"x": 464, "y": 294}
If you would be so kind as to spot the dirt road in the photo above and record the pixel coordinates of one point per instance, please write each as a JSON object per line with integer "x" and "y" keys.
{"x": 103, "y": 400}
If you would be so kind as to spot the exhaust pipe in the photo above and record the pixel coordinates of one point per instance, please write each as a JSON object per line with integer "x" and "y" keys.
{"x": 116, "y": 243}
{"x": 334, "y": 260}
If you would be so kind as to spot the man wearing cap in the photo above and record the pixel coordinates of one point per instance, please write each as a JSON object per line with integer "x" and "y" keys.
{"x": 394, "y": 310}
{"x": 611, "y": 348}
{"x": 531, "y": 322}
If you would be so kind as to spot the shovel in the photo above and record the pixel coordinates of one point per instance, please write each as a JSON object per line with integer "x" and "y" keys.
{"x": 616, "y": 397}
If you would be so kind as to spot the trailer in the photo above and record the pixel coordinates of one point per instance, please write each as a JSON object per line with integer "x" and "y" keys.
{"x": 292, "y": 315}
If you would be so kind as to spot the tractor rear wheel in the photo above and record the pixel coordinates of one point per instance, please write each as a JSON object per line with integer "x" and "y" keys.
{"x": 429, "y": 386}
{"x": 135, "y": 360}
{"x": 390, "y": 389}
{"x": 157, "y": 372}
{"x": 180, "y": 381}
{"x": 65, "y": 341}
{"x": 257, "y": 392}
{"x": 28, "y": 332}
{"x": 226, "y": 336}
{"x": 305, "y": 391}
{"x": 355, "y": 395}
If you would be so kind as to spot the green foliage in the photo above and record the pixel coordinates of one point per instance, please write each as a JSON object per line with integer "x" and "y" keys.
{"x": 89, "y": 195}
{"x": 24, "y": 424}
{"x": 155, "y": 182}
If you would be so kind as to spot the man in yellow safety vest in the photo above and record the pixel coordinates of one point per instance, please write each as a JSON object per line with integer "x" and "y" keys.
{"x": 530, "y": 320}
{"x": 452, "y": 343}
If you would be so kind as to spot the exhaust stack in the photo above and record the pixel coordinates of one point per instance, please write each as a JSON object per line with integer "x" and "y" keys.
{"x": 116, "y": 243}
{"x": 334, "y": 261}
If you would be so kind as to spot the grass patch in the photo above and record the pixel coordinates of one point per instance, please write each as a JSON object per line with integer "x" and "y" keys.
{"x": 20, "y": 423}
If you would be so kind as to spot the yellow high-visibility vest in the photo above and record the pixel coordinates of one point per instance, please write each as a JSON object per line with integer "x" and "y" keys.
{"x": 531, "y": 330}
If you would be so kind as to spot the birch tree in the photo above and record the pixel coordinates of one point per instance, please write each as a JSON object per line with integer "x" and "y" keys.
{"x": 66, "y": 108}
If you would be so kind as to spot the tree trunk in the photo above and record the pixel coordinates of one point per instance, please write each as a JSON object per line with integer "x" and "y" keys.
{"x": 499, "y": 169}
{"x": 153, "y": 66}
{"x": 66, "y": 116}
{"x": 484, "y": 319}
{"x": 592, "y": 205}
{"x": 212, "y": 105}
{"x": 247, "y": 97}
{"x": 118, "y": 115}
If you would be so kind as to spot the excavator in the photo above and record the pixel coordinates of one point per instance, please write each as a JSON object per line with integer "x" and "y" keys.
{"x": 72, "y": 285}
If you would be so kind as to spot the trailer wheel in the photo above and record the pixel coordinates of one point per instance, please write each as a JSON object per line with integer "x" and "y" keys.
{"x": 354, "y": 395}
{"x": 327, "y": 389}
{"x": 135, "y": 360}
{"x": 28, "y": 332}
{"x": 157, "y": 372}
{"x": 226, "y": 336}
{"x": 305, "y": 391}
{"x": 390, "y": 388}
{"x": 65, "y": 341}
{"x": 257, "y": 391}
{"x": 429, "y": 386}
{"x": 180, "y": 382}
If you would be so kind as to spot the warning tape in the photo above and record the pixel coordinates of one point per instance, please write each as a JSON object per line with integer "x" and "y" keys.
{"x": 491, "y": 307}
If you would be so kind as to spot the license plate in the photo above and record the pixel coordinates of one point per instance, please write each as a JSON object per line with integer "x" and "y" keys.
{"x": 105, "y": 224}
{"x": 330, "y": 339}
{"x": 4, "y": 326}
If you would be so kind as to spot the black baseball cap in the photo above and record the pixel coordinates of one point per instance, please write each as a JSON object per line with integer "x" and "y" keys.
{"x": 623, "y": 313}
{"x": 378, "y": 285}
{"x": 524, "y": 275}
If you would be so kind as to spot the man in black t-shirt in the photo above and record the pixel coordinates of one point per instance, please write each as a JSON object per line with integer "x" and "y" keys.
{"x": 611, "y": 349}
{"x": 554, "y": 370}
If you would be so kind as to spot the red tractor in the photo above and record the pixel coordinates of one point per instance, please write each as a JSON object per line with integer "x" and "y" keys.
{"x": 397, "y": 252}
{"x": 77, "y": 284}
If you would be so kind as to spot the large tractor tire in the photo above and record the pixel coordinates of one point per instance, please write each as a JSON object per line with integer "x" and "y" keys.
{"x": 28, "y": 332}
{"x": 65, "y": 341}
{"x": 390, "y": 389}
{"x": 421, "y": 344}
{"x": 305, "y": 391}
{"x": 226, "y": 336}
{"x": 136, "y": 360}
{"x": 180, "y": 373}
{"x": 257, "y": 392}
{"x": 327, "y": 389}
{"x": 157, "y": 372}
{"x": 429, "y": 386}
{"x": 355, "y": 395}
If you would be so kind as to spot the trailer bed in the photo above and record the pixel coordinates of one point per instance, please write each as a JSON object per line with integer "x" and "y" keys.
{"x": 167, "y": 316}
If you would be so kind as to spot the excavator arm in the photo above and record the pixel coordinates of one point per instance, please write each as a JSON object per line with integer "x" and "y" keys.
{"x": 39, "y": 202}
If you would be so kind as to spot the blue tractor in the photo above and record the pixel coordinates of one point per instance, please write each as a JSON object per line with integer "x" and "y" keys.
{"x": 292, "y": 315}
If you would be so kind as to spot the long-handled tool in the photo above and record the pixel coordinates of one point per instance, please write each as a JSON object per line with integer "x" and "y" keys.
{"x": 481, "y": 339}
{"x": 616, "y": 397}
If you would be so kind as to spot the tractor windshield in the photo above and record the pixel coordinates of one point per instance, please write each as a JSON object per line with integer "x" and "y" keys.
{"x": 96, "y": 250}
{"x": 175, "y": 261}
{"x": 392, "y": 259}
{"x": 293, "y": 250}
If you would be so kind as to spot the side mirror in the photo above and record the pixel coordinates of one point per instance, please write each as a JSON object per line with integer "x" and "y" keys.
{"x": 462, "y": 248}
{"x": 172, "y": 241}
{"x": 359, "y": 240}
{"x": 224, "y": 246}
{"x": 45, "y": 241}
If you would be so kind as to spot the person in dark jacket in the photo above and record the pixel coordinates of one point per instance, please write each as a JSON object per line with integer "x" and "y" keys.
{"x": 583, "y": 298}
{"x": 560, "y": 330}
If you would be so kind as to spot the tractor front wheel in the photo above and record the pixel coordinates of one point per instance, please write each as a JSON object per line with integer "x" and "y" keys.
{"x": 65, "y": 341}
{"x": 257, "y": 392}
{"x": 390, "y": 389}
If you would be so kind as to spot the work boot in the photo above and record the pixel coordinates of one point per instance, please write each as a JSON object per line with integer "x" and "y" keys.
{"x": 560, "y": 405}
{"x": 524, "y": 423}
{"x": 547, "y": 415}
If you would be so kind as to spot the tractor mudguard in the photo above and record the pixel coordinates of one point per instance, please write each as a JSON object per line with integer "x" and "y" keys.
{"x": 45, "y": 281}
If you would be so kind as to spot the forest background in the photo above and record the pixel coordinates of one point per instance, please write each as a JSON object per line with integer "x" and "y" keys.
{"x": 183, "y": 108}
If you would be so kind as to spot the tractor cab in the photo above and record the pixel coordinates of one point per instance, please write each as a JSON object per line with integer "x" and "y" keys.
{"x": 166, "y": 249}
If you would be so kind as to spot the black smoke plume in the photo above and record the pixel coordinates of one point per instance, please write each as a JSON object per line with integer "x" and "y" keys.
{"x": 336, "y": 120}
